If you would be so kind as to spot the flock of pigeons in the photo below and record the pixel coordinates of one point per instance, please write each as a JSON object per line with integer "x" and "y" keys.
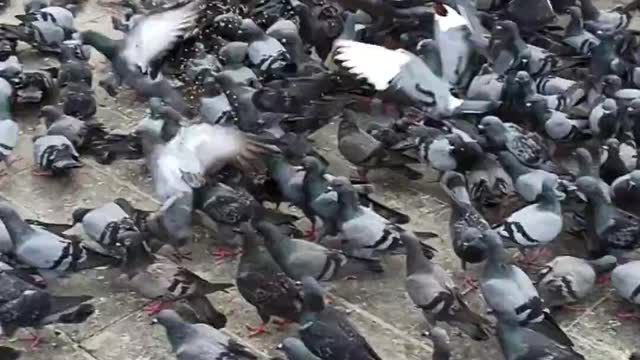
{"x": 526, "y": 109}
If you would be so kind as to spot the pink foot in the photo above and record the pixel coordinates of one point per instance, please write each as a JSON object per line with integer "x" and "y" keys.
{"x": 221, "y": 254}
{"x": 604, "y": 279}
{"x": 627, "y": 316}
{"x": 257, "y": 330}
{"x": 155, "y": 307}
{"x": 41, "y": 173}
{"x": 311, "y": 233}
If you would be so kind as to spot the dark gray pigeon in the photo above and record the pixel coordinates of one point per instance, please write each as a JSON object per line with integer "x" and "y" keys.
{"x": 25, "y": 305}
{"x": 265, "y": 53}
{"x": 613, "y": 162}
{"x": 521, "y": 343}
{"x": 441, "y": 345}
{"x": 433, "y": 291}
{"x": 567, "y": 279}
{"x": 263, "y": 283}
{"x": 364, "y": 151}
{"x": 608, "y": 228}
{"x": 489, "y": 183}
{"x": 51, "y": 254}
{"x": 511, "y": 296}
{"x": 54, "y": 155}
{"x": 200, "y": 341}
{"x": 295, "y": 349}
{"x": 328, "y": 333}
{"x": 465, "y": 224}
{"x": 80, "y": 133}
{"x": 576, "y": 36}
{"x": 625, "y": 192}
{"x": 596, "y": 20}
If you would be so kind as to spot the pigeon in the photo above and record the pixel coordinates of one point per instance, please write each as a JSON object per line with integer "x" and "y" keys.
{"x": 625, "y": 192}
{"x": 604, "y": 120}
{"x": 364, "y": 151}
{"x": 465, "y": 223}
{"x": 295, "y": 349}
{"x": 108, "y": 225}
{"x": 326, "y": 332}
{"x": 49, "y": 253}
{"x": 364, "y": 233}
{"x": 452, "y": 33}
{"x": 567, "y": 280}
{"x": 265, "y": 53}
{"x": 607, "y": 227}
{"x": 57, "y": 15}
{"x": 511, "y": 296}
{"x": 520, "y": 343}
{"x": 613, "y": 165}
{"x": 172, "y": 223}
{"x": 158, "y": 278}
{"x": 441, "y": 345}
{"x": 214, "y": 105}
{"x": 319, "y": 26}
{"x": 406, "y": 78}
{"x": 233, "y": 56}
{"x": 576, "y": 36}
{"x": 488, "y": 183}
{"x": 526, "y": 147}
{"x": 200, "y": 341}
{"x": 527, "y": 181}
{"x": 202, "y": 65}
{"x": 9, "y": 131}
{"x": 522, "y": 227}
{"x": 596, "y": 20}
{"x": 586, "y": 168}
{"x": 54, "y": 155}
{"x": 299, "y": 258}
{"x": 45, "y": 36}
{"x": 78, "y": 132}
{"x": 433, "y": 291}
{"x": 456, "y": 151}
{"x": 626, "y": 282}
{"x": 263, "y": 284}
{"x": 25, "y": 305}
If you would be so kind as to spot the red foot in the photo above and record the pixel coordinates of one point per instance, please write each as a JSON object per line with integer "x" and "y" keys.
{"x": 576, "y": 308}
{"x": 221, "y": 254}
{"x": 604, "y": 279}
{"x": 534, "y": 258}
{"x": 35, "y": 340}
{"x": 350, "y": 277}
{"x": 155, "y": 307}
{"x": 41, "y": 173}
{"x": 257, "y": 330}
{"x": 627, "y": 316}
{"x": 311, "y": 233}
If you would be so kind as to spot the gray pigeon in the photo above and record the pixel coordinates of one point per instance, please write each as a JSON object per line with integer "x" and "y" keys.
{"x": 295, "y": 349}
{"x": 57, "y": 15}
{"x": 8, "y": 132}
{"x": 49, "y": 253}
{"x": 625, "y": 280}
{"x": 365, "y": 234}
{"x": 522, "y": 228}
{"x": 488, "y": 182}
{"x": 625, "y": 192}
{"x": 441, "y": 345}
{"x": 433, "y": 291}
{"x": 299, "y": 258}
{"x": 576, "y": 36}
{"x": 405, "y": 77}
{"x": 521, "y": 343}
{"x": 233, "y": 56}
{"x": 527, "y": 181}
{"x": 598, "y": 21}
{"x": 510, "y": 294}
{"x": 586, "y": 167}
{"x": 265, "y": 53}
{"x": 79, "y": 132}
{"x": 54, "y": 155}
{"x": 604, "y": 120}
{"x": 567, "y": 279}
{"x": 364, "y": 151}
{"x": 163, "y": 281}
{"x": 200, "y": 341}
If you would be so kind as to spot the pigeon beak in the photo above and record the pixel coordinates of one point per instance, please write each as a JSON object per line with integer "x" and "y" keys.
{"x": 298, "y": 168}
{"x": 582, "y": 196}
{"x": 605, "y": 147}
{"x": 559, "y": 194}
{"x": 631, "y": 186}
{"x": 280, "y": 347}
{"x": 328, "y": 190}
{"x": 481, "y": 129}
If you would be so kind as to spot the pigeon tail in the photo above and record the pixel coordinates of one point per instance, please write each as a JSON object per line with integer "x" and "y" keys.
{"x": 79, "y": 315}
{"x": 95, "y": 260}
{"x": 206, "y": 313}
{"x": 476, "y": 107}
{"x": 550, "y": 328}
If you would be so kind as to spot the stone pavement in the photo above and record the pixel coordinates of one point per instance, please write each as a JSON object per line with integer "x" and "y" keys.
{"x": 377, "y": 304}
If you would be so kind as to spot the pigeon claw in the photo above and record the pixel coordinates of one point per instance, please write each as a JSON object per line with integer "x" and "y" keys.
{"x": 221, "y": 254}
{"x": 155, "y": 307}
{"x": 41, "y": 173}
{"x": 311, "y": 233}
{"x": 257, "y": 330}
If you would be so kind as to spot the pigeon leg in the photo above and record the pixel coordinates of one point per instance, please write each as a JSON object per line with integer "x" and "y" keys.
{"x": 35, "y": 339}
{"x": 534, "y": 258}
{"x": 604, "y": 279}
{"x": 257, "y": 330}
{"x": 472, "y": 285}
{"x": 311, "y": 233}
{"x": 41, "y": 173}
{"x": 362, "y": 176}
{"x": 222, "y": 253}
{"x": 627, "y": 316}
{"x": 282, "y": 324}
{"x": 576, "y": 308}
{"x": 155, "y": 307}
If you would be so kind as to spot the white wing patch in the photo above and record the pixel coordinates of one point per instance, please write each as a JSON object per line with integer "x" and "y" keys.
{"x": 451, "y": 20}
{"x": 157, "y": 33}
{"x": 376, "y": 64}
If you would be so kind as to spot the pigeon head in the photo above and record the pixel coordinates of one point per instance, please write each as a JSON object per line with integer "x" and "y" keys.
{"x": 177, "y": 329}
{"x": 611, "y": 145}
{"x": 75, "y": 50}
{"x": 585, "y": 161}
{"x": 550, "y": 188}
{"x": 156, "y": 106}
{"x": 294, "y": 348}
{"x": 313, "y": 165}
{"x": 249, "y": 30}
{"x": 634, "y": 180}
{"x": 330, "y": 21}
{"x": 522, "y": 78}
{"x": 173, "y": 221}
{"x": 492, "y": 239}
{"x": 341, "y": 185}
{"x": 609, "y": 105}
{"x": 227, "y": 26}
{"x": 137, "y": 253}
{"x": 494, "y": 129}
{"x": 234, "y": 52}
{"x": 313, "y": 294}
{"x": 589, "y": 187}
{"x": 472, "y": 248}
{"x": 635, "y": 355}
{"x": 505, "y": 30}
{"x": 634, "y": 107}
{"x": 440, "y": 340}
{"x": 610, "y": 84}
{"x": 272, "y": 99}
{"x": 35, "y": 5}
{"x": 50, "y": 113}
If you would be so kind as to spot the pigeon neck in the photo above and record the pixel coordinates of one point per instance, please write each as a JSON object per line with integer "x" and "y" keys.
{"x": 105, "y": 45}
{"x": 348, "y": 203}
{"x": 495, "y": 256}
{"x": 575, "y": 26}
{"x": 510, "y": 338}
{"x": 178, "y": 332}
{"x": 16, "y": 227}
{"x": 314, "y": 184}
{"x": 549, "y": 201}
{"x": 514, "y": 168}
{"x": 416, "y": 261}
{"x": 277, "y": 243}
{"x": 589, "y": 11}
{"x": 585, "y": 166}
